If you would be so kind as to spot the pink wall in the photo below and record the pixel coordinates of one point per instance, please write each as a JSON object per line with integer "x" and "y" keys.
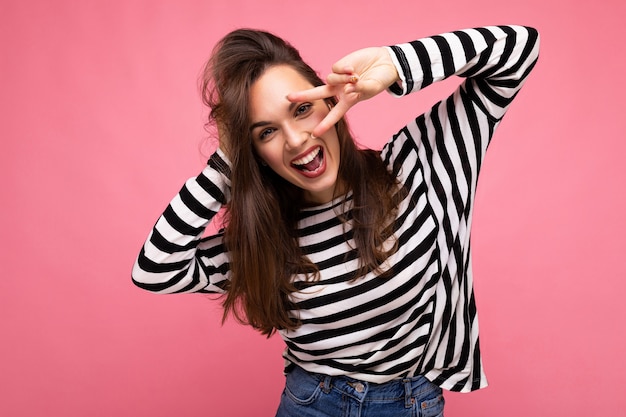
{"x": 102, "y": 123}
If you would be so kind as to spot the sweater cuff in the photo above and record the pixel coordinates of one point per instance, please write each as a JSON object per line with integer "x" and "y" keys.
{"x": 399, "y": 89}
{"x": 218, "y": 172}
{"x": 220, "y": 163}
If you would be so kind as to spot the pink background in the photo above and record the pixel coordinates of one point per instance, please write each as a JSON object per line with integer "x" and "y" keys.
{"x": 101, "y": 123}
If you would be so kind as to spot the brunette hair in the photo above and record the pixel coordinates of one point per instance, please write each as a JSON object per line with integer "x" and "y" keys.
{"x": 262, "y": 213}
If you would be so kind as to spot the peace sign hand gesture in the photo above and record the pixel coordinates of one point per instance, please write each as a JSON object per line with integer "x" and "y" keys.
{"x": 358, "y": 76}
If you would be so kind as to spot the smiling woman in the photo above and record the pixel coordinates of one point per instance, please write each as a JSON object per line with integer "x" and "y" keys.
{"x": 359, "y": 258}
{"x": 283, "y": 139}
{"x": 267, "y": 138}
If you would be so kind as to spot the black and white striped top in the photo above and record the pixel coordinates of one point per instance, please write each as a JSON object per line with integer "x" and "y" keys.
{"x": 421, "y": 320}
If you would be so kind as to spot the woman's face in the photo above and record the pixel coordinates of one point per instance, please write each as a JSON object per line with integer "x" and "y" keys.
{"x": 281, "y": 134}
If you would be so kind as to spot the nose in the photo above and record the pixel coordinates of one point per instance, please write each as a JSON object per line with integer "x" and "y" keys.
{"x": 294, "y": 138}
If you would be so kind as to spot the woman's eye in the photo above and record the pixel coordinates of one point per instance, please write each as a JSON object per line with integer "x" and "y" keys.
{"x": 303, "y": 108}
{"x": 265, "y": 133}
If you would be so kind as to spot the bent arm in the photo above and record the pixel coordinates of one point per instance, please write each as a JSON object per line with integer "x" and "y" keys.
{"x": 495, "y": 59}
{"x": 175, "y": 257}
{"x": 447, "y": 144}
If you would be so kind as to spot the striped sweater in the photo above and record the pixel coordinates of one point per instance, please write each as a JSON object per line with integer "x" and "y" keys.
{"x": 422, "y": 319}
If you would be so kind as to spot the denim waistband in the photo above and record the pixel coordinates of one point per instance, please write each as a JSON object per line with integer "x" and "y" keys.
{"x": 394, "y": 390}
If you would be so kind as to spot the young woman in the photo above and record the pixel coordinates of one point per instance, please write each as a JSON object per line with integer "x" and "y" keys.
{"x": 360, "y": 259}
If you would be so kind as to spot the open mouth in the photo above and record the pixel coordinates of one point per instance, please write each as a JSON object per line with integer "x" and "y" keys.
{"x": 311, "y": 162}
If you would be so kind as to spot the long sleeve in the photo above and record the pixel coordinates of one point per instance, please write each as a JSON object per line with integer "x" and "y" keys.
{"x": 176, "y": 258}
{"x": 495, "y": 59}
{"x": 446, "y": 145}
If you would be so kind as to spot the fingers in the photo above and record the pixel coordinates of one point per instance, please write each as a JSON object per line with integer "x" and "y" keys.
{"x": 328, "y": 122}
{"x": 342, "y": 84}
{"x": 317, "y": 93}
{"x": 333, "y": 87}
{"x": 334, "y": 115}
{"x": 343, "y": 78}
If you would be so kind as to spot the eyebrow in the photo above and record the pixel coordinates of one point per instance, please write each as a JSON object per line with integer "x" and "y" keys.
{"x": 292, "y": 105}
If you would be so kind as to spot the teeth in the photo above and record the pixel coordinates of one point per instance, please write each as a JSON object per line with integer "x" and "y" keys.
{"x": 307, "y": 158}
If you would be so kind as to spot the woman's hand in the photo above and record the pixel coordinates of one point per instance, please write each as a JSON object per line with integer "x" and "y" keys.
{"x": 356, "y": 77}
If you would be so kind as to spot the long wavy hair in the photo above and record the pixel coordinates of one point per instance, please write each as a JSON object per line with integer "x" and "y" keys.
{"x": 262, "y": 213}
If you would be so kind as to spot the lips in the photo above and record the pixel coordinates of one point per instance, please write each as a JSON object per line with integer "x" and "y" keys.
{"x": 311, "y": 163}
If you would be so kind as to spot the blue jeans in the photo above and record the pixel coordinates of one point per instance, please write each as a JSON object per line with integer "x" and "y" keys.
{"x": 316, "y": 395}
